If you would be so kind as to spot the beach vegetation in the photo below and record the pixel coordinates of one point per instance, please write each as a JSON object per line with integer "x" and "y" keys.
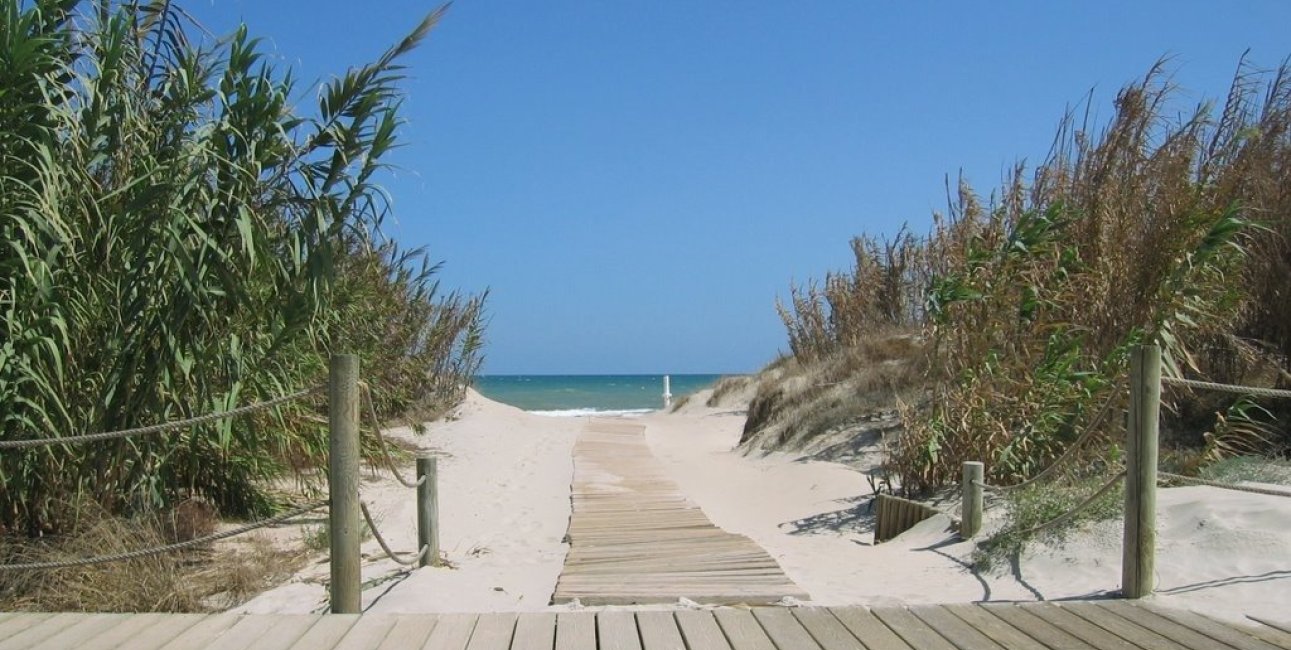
{"x": 187, "y": 230}
{"x": 1016, "y": 312}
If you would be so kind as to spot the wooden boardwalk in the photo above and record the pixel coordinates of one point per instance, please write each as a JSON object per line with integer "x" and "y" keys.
{"x": 635, "y": 539}
{"x": 1106, "y": 625}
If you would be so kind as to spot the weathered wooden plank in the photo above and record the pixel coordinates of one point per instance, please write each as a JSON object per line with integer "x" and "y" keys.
{"x": 1079, "y": 627}
{"x": 1184, "y": 636}
{"x": 1213, "y": 629}
{"x": 1139, "y": 636}
{"x": 326, "y": 632}
{"x": 701, "y": 631}
{"x": 243, "y": 633}
{"x": 1271, "y": 634}
{"x": 19, "y": 622}
{"x": 909, "y": 627}
{"x": 954, "y": 629}
{"x": 785, "y": 630}
{"x": 617, "y": 630}
{"x": 743, "y": 632}
{"x": 367, "y": 633}
{"x": 165, "y": 636}
{"x": 864, "y": 625}
{"x": 576, "y": 631}
{"x": 825, "y": 629}
{"x": 145, "y": 631}
{"x": 286, "y": 632}
{"x": 78, "y": 632}
{"x": 1035, "y": 627}
{"x": 659, "y": 631}
{"x": 493, "y": 631}
{"x": 409, "y": 631}
{"x": 1285, "y": 626}
{"x": 535, "y": 632}
{"x": 452, "y": 632}
{"x": 40, "y": 631}
{"x": 999, "y": 631}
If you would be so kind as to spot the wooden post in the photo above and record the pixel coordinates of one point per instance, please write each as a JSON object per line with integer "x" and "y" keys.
{"x": 343, "y": 483}
{"x": 428, "y": 509}
{"x": 1138, "y": 559}
{"x": 971, "y": 521}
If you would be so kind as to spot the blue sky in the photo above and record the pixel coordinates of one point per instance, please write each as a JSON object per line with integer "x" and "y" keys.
{"x": 636, "y": 182}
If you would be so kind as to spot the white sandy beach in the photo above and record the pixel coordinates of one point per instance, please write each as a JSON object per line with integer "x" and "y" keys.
{"x": 504, "y": 507}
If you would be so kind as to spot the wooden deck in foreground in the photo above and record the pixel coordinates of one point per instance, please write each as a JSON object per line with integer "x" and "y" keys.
{"x": 634, "y": 538}
{"x": 1103, "y": 625}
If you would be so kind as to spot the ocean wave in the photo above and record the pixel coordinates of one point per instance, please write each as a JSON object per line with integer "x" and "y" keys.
{"x": 593, "y": 412}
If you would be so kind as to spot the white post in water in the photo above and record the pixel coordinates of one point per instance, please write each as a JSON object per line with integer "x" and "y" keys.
{"x": 667, "y": 392}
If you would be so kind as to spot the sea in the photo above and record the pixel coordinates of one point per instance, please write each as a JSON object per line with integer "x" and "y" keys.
{"x": 584, "y": 395}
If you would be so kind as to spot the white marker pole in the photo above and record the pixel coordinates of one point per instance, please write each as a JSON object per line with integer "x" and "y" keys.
{"x": 667, "y": 392}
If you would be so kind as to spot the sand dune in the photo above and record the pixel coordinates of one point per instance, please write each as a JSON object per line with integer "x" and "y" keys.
{"x": 504, "y": 508}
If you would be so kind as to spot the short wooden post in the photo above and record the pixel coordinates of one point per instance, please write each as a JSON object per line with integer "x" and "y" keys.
{"x": 428, "y": 510}
{"x": 1138, "y": 559}
{"x": 971, "y": 521}
{"x": 343, "y": 483}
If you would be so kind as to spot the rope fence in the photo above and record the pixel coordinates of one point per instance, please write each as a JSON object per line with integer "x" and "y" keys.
{"x": 1225, "y": 388}
{"x": 344, "y": 408}
{"x": 385, "y": 546}
{"x": 159, "y": 428}
{"x": 168, "y": 548}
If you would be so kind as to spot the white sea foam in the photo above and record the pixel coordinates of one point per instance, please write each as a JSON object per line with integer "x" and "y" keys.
{"x": 592, "y": 412}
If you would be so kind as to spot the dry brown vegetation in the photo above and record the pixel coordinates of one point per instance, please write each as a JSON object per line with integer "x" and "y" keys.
{"x": 1149, "y": 228}
{"x": 196, "y": 580}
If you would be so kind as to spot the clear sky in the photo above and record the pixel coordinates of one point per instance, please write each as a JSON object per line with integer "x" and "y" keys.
{"x": 637, "y": 181}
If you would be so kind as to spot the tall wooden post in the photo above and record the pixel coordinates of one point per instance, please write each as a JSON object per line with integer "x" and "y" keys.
{"x": 971, "y": 521}
{"x": 428, "y": 510}
{"x": 1138, "y": 559}
{"x": 343, "y": 483}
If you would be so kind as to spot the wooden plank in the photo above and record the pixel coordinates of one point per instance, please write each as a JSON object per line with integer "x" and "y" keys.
{"x": 1211, "y": 628}
{"x": 535, "y": 631}
{"x": 409, "y": 631}
{"x": 287, "y": 630}
{"x": 367, "y": 633}
{"x": 951, "y": 627}
{"x": 1285, "y": 626}
{"x": 1139, "y": 636}
{"x": 575, "y": 631}
{"x": 825, "y": 629}
{"x": 659, "y": 631}
{"x": 243, "y": 633}
{"x": 1269, "y": 633}
{"x": 742, "y": 630}
{"x": 39, "y": 632}
{"x": 85, "y": 628}
{"x": 617, "y": 630}
{"x": 1079, "y": 627}
{"x": 19, "y": 622}
{"x": 999, "y": 631}
{"x": 1035, "y": 627}
{"x": 452, "y": 632}
{"x": 909, "y": 627}
{"x": 493, "y": 631}
{"x": 785, "y": 630}
{"x": 146, "y": 631}
{"x": 701, "y": 630}
{"x": 326, "y": 632}
{"x": 1179, "y": 634}
{"x": 864, "y": 625}
{"x": 199, "y": 634}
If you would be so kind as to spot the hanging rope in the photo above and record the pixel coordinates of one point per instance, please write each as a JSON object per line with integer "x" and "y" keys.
{"x": 367, "y": 516}
{"x": 158, "y": 428}
{"x": 381, "y": 441}
{"x": 1226, "y": 388}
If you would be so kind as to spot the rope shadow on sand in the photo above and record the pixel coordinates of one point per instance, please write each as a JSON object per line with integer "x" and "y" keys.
{"x": 857, "y": 519}
{"x": 1231, "y": 580}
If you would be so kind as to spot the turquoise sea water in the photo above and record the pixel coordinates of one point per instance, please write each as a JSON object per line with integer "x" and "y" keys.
{"x": 587, "y": 394}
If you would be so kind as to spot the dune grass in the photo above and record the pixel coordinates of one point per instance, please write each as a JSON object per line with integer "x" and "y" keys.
{"x": 1158, "y": 226}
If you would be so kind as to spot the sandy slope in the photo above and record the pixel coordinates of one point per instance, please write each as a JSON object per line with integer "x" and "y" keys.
{"x": 504, "y": 508}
